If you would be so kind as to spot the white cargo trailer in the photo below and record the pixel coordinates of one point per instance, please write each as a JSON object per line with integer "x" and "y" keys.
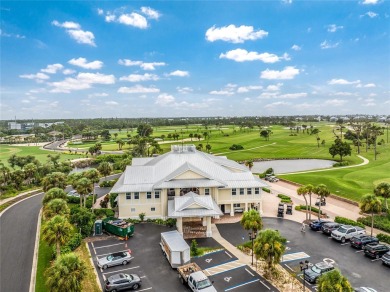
{"x": 175, "y": 248}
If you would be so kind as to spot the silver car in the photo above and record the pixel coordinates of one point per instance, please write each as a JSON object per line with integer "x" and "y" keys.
{"x": 114, "y": 259}
{"x": 122, "y": 281}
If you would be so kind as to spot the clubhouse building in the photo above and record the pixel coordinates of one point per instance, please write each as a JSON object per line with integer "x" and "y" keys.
{"x": 188, "y": 185}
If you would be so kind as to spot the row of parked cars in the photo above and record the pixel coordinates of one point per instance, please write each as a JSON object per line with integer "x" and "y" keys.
{"x": 357, "y": 237}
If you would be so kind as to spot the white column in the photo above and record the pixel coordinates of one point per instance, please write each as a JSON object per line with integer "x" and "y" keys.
{"x": 204, "y": 223}
{"x": 179, "y": 225}
{"x": 208, "y": 231}
{"x": 177, "y": 192}
{"x": 246, "y": 206}
{"x": 231, "y": 210}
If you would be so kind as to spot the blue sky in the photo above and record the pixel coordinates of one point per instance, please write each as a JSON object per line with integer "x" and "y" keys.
{"x": 82, "y": 59}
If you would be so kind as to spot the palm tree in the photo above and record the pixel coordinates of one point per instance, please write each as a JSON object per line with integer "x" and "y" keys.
{"x": 208, "y": 148}
{"x": 376, "y": 131}
{"x": 370, "y": 204}
{"x": 94, "y": 176}
{"x": 54, "y": 193}
{"x": 57, "y": 231}
{"x": 54, "y": 180}
{"x": 383, "y": 190}
{"x": 251, "y": 220}
{"x": 56, "y": 207}
{"x": 301, "y": 191}
{"x": 84, "y": 187}
{"x": 322, "y": 191}
{"x": 249, "y": 164}
{"x": 105, "y": 168}
{"x": 269, "y": 245}
{"x": 66, "y": 274}
{"x": 30, "y": 170}
{"x": 316, "y": 132}
{"x": 333, "y": 281}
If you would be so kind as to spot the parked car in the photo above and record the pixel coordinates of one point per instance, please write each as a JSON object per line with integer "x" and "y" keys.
{"x": 73, "y": 193}
{"x": 271, "y": 178}
{"x": 362, "y": 240}
{"x": 317, "y": 270}
{"x": 345, "y": 232}
{"x": 386, "y": 259}
{"x": 376, "y": 251}
{"x": 364, "y": 289}
{"x": 317, "y": 224}
{"x": 122, "y": 281}
{"x": 115, "y": 259}
{"x": 327, "y": 228}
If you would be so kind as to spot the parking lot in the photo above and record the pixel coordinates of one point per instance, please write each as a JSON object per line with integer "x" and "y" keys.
{"x": 317, "y": 247}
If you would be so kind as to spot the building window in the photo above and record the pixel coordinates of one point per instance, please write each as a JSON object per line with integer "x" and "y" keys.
{"x": 207, "y": 192}
{"x": 236, "y": 205}
{"x": 157, "y": 194}
{"x": 128, "y": 196}
{"x": 249, "y": 191}
{"x": 234, "y": 192}
{"x": 136, "y": 196}
{"x": 153, "y": 209}
{"x": 257, "y": 191}
{"x": 132, "y": 209}
{"x": 148, "y": 195}
{"x": 241, "y": 191}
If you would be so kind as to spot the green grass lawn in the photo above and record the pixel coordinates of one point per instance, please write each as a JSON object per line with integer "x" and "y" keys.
{"x": 44, "y": 258}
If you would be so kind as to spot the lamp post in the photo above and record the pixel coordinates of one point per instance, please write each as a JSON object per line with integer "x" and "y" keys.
{"x": 252, "y": 236}
{"x": 304, "y": 267}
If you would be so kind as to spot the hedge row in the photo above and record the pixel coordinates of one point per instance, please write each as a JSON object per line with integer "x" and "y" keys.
{"x": 284, "y": 198}
{"x": 103, "y": 212}
{"x": 380, "y": 222}
{"x": 346, "y": 221}
{"x": 303, "y": 207}
{"x": 384, "y": 237}
{"x": 169, "y": 222}
{"x": 266, "y": 190}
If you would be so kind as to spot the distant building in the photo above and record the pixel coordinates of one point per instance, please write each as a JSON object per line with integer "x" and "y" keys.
{"x": 14, "y": 126}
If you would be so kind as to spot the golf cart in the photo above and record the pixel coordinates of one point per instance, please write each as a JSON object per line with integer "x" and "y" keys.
{"x": 271, "y": 178}
{"x": 281, "y": 210}
{"x": 289, "y": 209}
{"x": 321, "y": 201}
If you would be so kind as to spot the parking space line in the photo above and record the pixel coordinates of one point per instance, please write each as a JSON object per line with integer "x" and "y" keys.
{"x": 243, "y": 284}
{"x": 374, "y": 260}
{"x": 289, "y": 267}
{"x": 121, "y": 270}
{"x": 104, "y": 278}
{"x": 150, "y": 288}
{"x": 228, "y": 254}
{"x": 108, "y": 245}
{"x": 294, "y": 256}
{"x": 301, "y": 276}
{"x": 344, "y": 243}
{"x": 223, "y": 268}
{"x": 265, "y": 285}
{"x": 249, "y": 272}
{"x": 359, "y": 251}
{"x": 93, "y": 246}
{"x": 330, "y": 237}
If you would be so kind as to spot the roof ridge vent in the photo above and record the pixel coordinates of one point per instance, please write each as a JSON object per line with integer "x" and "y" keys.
{"x": 183, "y": 148}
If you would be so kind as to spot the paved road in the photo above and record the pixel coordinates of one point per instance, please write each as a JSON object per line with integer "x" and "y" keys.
{"x": 17, "y": 240}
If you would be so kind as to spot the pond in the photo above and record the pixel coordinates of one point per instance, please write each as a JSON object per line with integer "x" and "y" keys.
{"x": 293, "y": 165}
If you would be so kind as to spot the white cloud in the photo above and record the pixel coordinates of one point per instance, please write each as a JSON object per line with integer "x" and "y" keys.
{"x": 370, "y": 14}
{"x": 368, "y": 2}
{"x": 179, "y": 73}
{"x": 81, "y": 82}
{"x": 68, "y": 71}
{"x": 221, "y": 92}
{"x": 184, "y": 90}
{"x": 244, "y": 89}
{"x": 293, "y": 95}
{"x": 139, "y": 77}
{"x": 241, "y": 55}
{"x": 110, "y": 17}
{"x": 335, "y": 102}
{"x": 234, "y": 34}
{"x": 96, "y": 78}
{"x": 296, "y": 48}
{"x": 328, "y": 45}
{"x": 133, "y": 19}
{"x": 150, "y": 13}
{"x": 343, "y": 93}
{"x": 334, "y": 27}
{"x": 369, "y": 85}
{"x": 274, "y": 87}
{"x": 144, "y": 66}
{"x": 277, "y": 104}
{"x": 111, "y": 102}
{"x": 11, "y": 35}
{"x": 164, "y": 99}
{"x": 288, "y": 72}
{"x": 52, "y": 69}
{"x": 83, "y": 63}
{"x": 38, "y": 77}
{"x": 100, "y": 11}
{"x": 138, "y": 89}
{"x": 76, "y": 33}
{"x": 98, "y": 94}
{"x": 342, "y": 82}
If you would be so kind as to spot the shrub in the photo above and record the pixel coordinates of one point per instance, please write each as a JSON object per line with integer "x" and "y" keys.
{"x": 303, "y": 208}
{"x": 380, "y": 222}
{"x": 103, "y": 212}
{"x": 73, "y": 243}
{"x": 346, "y": 221}
{"x": 142, "y": 216}
{"x": 104, "y": 202}
{"x": 343, "y": 163}
{"x": 383, "y": 237}
{"x": 134, "y": 221}
{"x": 236, "y": 147}
{"x": 113, "y": 203}
{"x": 194, "y": 248}
{"x": 108, "y": 183}
{"x": 73, "y": 200}
{"x": 269, "y": 171}
{"x": 266, "y": 190}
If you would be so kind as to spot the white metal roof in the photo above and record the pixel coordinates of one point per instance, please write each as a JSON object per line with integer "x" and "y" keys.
{"x": 147, "y": 174}
{"x": 175, "y": 240}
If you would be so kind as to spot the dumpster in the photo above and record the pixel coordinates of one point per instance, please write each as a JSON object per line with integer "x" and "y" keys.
{"x": 98, "y": 230}
{"x": 118, "y": 227}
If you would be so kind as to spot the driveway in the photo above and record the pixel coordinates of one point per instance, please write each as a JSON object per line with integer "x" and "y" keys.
{"x": 317, "y": 247}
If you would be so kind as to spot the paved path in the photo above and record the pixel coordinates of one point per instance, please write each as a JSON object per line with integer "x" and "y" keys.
{"x": 17, "y": 240}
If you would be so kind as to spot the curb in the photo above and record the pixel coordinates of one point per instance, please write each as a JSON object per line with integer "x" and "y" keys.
{"x": 93, "y": 265}
{"x": 35, "y": 258}
{"x": 1, "y": 214}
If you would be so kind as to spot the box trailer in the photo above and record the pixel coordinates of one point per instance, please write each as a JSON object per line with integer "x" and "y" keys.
{"x": 118, "y": 227}
{"x": 175, "y": 248}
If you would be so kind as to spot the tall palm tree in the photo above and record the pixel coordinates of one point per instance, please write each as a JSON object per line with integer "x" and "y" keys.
{"x": 333, "y": 281}
{"x": 249, "y": 164}
{"x": 66, "y": 274}
{"x": 54, "y": 193}
{"x": 56, "y": 207}
{"x": 94, "y": 176}
{"x": 105, "y": 168}
{"x": 57, "y": 231}
{"x": 370, "y": 204}
{"x": 322, "y": 192}
{"x": 30, "y": 170}
{"x": 301, "y": 191}
{"x": 383, "y": 190}
{"x": 375, "y": 132}
{"x": 251, "y": 220}
{"x": 269, "y": 245}
{"x": 54, "y": 180}
{"x": 83, "y": 187}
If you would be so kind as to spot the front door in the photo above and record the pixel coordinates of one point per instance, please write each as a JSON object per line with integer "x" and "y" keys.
{"x": 223, "y": 208}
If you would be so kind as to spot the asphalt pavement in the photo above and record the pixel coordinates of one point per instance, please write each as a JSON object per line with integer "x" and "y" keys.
{"x": 17, "y": 240}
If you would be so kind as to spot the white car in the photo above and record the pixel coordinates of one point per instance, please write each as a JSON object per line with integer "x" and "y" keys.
{"x": 73, "y": 193}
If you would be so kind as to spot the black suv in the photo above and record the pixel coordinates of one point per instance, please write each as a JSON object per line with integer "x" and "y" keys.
{"x": 316, "y": 271}
{"x": 376, "y": 251}
{"x": 327, "y": 228}
{"x": 360, "y": 241}
{"x": 317, "y": 224}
